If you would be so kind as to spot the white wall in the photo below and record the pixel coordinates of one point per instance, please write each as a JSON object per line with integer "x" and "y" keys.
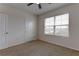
{"x": 73, "y": 40}
{"x": 22, "y": 26}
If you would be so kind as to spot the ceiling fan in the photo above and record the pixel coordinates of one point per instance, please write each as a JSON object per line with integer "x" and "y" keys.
{"x": 39, "y": 5}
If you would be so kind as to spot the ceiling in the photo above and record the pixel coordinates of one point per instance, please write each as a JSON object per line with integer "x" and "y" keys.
{"x": 34, "y": 8}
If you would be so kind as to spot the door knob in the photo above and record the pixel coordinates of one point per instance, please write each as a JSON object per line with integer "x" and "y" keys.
{"x": 6, "y": 32}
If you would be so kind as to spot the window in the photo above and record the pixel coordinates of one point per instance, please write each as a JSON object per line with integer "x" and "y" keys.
{"x": 57, "y": 25}
{"x": 49, "y": 23}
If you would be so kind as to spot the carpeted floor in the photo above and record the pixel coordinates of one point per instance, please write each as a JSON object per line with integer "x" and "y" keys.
{"x": 38, "y": 48}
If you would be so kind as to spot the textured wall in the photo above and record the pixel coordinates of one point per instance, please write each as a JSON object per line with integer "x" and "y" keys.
{"x": 73, "y": 40}
{"x": 22, "y": 26}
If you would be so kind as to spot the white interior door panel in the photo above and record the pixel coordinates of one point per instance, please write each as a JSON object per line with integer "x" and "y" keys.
{"x": 3, "y": 31}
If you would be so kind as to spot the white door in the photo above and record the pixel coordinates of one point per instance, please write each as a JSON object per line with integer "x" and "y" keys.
{"x": 3, "y": 31}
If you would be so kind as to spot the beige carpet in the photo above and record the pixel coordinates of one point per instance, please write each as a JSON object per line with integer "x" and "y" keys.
{"x": 37, "y": 48}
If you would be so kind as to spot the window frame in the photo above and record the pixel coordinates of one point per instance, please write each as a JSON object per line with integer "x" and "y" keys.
{"x": 54, "y": 30}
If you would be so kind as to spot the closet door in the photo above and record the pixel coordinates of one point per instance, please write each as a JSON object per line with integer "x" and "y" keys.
{"x": 3, "y": 31}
